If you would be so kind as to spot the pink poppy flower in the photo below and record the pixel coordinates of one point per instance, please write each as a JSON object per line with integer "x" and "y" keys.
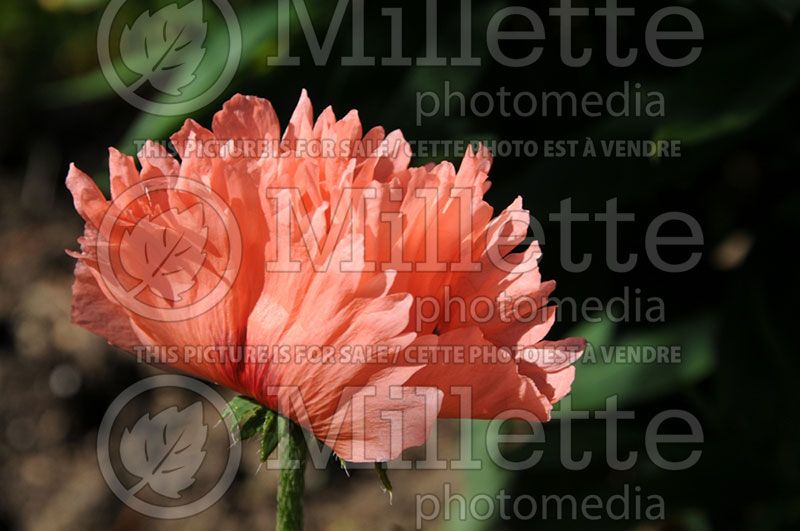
{"x": 321, "y": 275}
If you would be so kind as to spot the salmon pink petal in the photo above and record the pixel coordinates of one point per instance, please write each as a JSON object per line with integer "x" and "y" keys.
{"x": 246, "y": 118}
{"x": 89, "y": 200}
{"x": 394, "y": 154}
{"x": 301, "y": 124}
{"x": 478, "y": 379}
{"x": 549, "y": 364}
{"x": 157, "y": 161}
{"x": 350, "y": 314}
{"x": 324, "y": 123}
{"x": 189, "y": 138}
{"x": 522, "y": 320}
{"x": 94, "y": 311}
{"x": 474, "y": 167}
{"x": 383, "y": 418}
{"x": 122, "y": 172}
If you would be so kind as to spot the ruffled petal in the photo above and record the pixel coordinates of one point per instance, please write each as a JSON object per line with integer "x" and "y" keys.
{"x": 87, "y": 197}
{"x": 94, "y": 311}
{"x": 478, "y": 379}
{"x": 246, "y": 118}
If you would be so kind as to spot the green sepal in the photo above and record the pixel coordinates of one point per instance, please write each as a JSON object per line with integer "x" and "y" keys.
{"x": 269, "y": 435}
{"x": 343, "y": 464}
{"x": 249, "y": 415}
{"x": 380, "y": 468}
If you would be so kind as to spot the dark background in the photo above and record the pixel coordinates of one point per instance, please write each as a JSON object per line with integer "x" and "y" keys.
{"x": 735, "y": 111}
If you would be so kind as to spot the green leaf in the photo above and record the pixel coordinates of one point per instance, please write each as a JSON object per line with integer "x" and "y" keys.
{"x": 597, "y": 378}
{"x": 632, "y": 382}
{"x": 742, "y": 83}
{"x": 257, "y": 24}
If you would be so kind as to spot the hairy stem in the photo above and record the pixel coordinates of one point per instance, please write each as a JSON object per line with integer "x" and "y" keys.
{"x": 292, "y": 483}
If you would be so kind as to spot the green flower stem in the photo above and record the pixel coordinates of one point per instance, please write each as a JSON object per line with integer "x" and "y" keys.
{"x": 292, "y": 482}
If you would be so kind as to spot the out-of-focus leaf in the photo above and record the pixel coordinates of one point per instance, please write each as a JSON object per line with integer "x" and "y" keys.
{"x": 71, "y": 5}
{"x": 787, "y": 8}
{"x": 740, "y": 86}
{"x": 633, "y": 383}
{"x": 91, "y": 86}
{"x": 257, "y": 24}
{"x": 598, "y": 378}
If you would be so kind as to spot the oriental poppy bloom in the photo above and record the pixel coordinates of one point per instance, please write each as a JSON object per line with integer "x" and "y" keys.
{"x": 321, "y": 275}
